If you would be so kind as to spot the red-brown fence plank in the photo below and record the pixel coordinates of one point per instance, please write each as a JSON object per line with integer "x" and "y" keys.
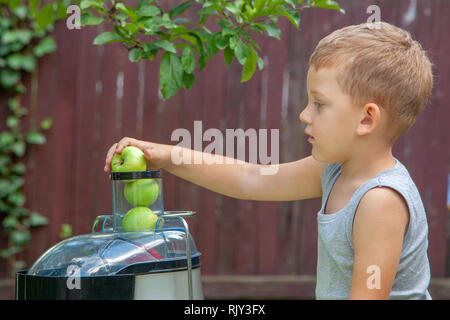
{"x": 228, "y": 217}
{"x": 213, "y": 110}
{"x": 85, "y": 150}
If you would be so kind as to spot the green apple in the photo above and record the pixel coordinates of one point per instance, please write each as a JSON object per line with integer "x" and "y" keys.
{"x": 130, "y": 159}
{"x": 139, "y": 219}
{"x": 142, "y": 192}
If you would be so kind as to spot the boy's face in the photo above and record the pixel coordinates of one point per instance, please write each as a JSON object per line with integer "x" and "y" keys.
{"x": 330, "y": 117}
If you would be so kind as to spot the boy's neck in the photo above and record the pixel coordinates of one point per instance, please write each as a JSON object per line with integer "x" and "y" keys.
{"x": 365, "y": 166}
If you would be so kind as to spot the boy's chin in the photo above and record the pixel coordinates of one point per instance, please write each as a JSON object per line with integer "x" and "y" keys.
{"x": 320, "y": 157}
{"x": 316, "y": 156}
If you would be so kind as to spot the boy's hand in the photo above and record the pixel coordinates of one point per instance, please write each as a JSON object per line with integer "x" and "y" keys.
{"x": 157, "y": 155}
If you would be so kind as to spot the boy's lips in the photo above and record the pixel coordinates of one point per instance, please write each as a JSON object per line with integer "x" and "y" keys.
{"x": 311, "y": 138}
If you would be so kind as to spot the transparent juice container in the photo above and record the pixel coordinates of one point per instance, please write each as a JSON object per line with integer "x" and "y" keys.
{"x": 136, "y": 192}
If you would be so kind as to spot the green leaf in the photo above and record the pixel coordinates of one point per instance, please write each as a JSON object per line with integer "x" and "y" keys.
{"x": 170, "y": 74}
{"x": 16, "y": 183}
{"x": 228, "y": 55}
{"x": 90, "y": 3}
{"x": 166, "y": 45}
{"x": 4, "y": 160}
{"x": 14, "y": 61}
{"x": 179, "y": 9}
{"x": 260, "y": 63}
{"x": 148, "y": 11}
{"x": 250, "y": 65}
{"x": 233, "y": 42}
{"x": 6, "y": 253}
{"x": 28, "y": 63}
{"x": 45, "y": 16}
{"x": 291, "y": 14}
{"x": 135, "y": 54}
{"x": 12, "y": 122}
{"x": 143, "y": 3}
{"x": 13, "y": 4}
{"x": 205, "y": 13}
{"x": 233, "y": 8}
{"x": 149, "y": 25}
{"x": 16, "y": 198}
{"x": 18, "y": 211}
{"x": 8, "y": 78}
{"x": 4, "y": 187}
{"x": 20, "y": 89}
{"x": 46, "y": 45}
{"x": 22, "y": 35}
{"x": 20, "y": 238}
{"x": 21, "y": 12}
{"x": 188, "y": 60}
{"x": 327, "y": 4}
{"x": 88, "y": 19}
{"x": 18, "y": 148}
{"x": 188, "y": 80}
{"x": 131, "y": 28}
{"x": 241, "y": 52}
{"x": 202, "y": 61}
{"x": 211, "y": 44}
{"x": 61, "y": 11}
{"x": 66, "y": 231}
{"x": 225, "y": 24}
{"x": 19, "y": 169}
{"x": 272, "y": 30}
{"x": 35, "y": 137}
{"x": 18, "y": 61}
{"x": 46, "y": 124}
{"x": 107, "y": 37}
{"x": 34, "y": 6}
{"x": 259, "y": 4}
{"x": 129, "y": 11}
{"x": 222, "y": 42}
{"x": 10, "y": 222}
{"x": 37, "y": 220}
{"x": 121, "y": 31}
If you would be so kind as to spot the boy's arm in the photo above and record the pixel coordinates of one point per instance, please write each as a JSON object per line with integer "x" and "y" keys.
{"x": 296, "y": 180}
{"x": 242, "y": 180}
{"x": 380, "y": 224}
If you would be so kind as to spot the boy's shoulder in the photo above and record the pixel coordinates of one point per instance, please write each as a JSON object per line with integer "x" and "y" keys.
{"x": 393, "y": 185}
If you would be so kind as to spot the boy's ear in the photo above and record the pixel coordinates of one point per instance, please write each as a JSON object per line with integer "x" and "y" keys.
{"x": 371, "y": 116}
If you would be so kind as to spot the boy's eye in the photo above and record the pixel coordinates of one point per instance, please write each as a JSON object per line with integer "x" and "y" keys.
{"x": 318, "y": 104}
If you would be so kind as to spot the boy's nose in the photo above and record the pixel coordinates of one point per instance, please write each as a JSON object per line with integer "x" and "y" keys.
{"x": 303, "y": 117}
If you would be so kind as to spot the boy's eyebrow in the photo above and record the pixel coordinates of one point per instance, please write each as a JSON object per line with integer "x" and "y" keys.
{"x": 318, "y": 93}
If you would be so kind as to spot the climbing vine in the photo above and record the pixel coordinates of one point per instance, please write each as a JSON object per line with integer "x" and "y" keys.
{"x": 24, "y": 28}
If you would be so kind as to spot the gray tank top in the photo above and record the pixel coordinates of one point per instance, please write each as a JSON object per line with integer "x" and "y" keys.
{"x": 335, "y": 239}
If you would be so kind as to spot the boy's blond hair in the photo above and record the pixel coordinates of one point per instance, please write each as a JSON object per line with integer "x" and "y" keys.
{"x": 385, "y": 66}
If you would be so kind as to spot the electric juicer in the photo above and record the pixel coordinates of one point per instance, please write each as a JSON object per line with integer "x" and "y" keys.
{"x": 138, "y": 252}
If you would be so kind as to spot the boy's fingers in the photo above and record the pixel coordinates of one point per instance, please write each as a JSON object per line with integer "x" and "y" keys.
{"x": 123, "y": 143}
{"x": 118, "y": 147}
{"x": 109, "y": 157}
{"x": 110, "y": 154}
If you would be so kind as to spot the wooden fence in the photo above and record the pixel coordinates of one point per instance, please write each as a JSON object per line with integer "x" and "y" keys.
{"x": 95, "y": 96}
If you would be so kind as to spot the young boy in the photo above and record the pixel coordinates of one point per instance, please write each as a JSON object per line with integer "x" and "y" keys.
{"x": 365, "y": 88}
